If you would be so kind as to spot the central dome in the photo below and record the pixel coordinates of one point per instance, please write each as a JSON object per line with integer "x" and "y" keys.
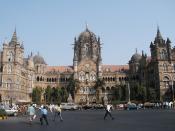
{"x": 87, "y": 36}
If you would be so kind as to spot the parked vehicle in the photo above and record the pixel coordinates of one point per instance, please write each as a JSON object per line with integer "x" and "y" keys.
{"x": 11, "y": 112}
{"x": 149, "y": 105}
{"x": 69, "y": 106}
{"x": 131, "y": 106}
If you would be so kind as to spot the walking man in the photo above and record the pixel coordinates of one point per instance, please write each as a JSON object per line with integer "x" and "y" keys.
{"x": 57, "y": 110}
{"x": 44, "y": 115}
{"x": 31, "y": 111}
{"x": 108, "y": 111}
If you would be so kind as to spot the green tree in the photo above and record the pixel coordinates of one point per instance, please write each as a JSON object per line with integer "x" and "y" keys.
{"x": 64, "y": 94}
{"x": 99, "y": 83}
{"x": 152, "y": 95}
{"x": 73, "y": 86}
{"x": 141, "y": 93}
{"x": 56, "y": 95}
{"x": 36, "y": 95}
{"x": 48, "y": 94}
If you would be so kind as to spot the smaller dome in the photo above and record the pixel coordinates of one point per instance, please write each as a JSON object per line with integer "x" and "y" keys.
{"x": 37, "y": 59}
{"x": 136, "y": 57}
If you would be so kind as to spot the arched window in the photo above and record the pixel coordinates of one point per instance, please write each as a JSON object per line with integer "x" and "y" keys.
{"x": 9, "y": 69}
{"x": 166, "y": 82}
{"x": 10, "y": 56}
{"x": 37, "y": 78}
{"x": 165, "y": 67}
{"x": 9, "y": 83}
{"x": 163, "y": 54}
{"x": 40, "y": 78}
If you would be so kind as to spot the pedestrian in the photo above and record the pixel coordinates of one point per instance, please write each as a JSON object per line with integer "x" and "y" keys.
{"x": 43, "y": 115}
{"x": 32, "y": 113}
{"x": 57, "y": 111}
{"x": 108, "y": 111}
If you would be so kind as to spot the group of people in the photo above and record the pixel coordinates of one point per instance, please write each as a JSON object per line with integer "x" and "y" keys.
{"x": 55, "y": 110}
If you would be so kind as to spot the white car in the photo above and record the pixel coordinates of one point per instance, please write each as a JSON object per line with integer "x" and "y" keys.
{"x": 69, "y": 106}
{"x": 11, "y": 112}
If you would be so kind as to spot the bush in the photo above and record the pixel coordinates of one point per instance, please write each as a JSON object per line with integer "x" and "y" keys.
{"x": 3, "y": 114}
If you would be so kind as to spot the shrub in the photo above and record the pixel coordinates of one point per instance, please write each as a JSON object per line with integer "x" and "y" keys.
{"x": 3, "y": 114}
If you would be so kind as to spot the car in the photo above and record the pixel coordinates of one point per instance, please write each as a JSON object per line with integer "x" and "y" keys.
{"x": 11, "y": 112}
{"x": 131, "y": 106}
{"x": 69, "y": 106}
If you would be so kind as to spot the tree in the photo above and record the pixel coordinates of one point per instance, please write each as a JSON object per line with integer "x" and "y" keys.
{"x": 48, "y": 94}
{"x": 36, "y": 95}
{"x": 152, "y": 95}
{"x": 73, "y": 86}
{"x": 64, "y": 94}
{"x": 141, "y": 93}
{"x": 99, "y": 83}
{"x": 56, "y": 97}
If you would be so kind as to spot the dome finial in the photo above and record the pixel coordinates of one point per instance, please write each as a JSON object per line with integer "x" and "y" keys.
{"x": 136, "y": 50}
{"x": 86, "y": 26}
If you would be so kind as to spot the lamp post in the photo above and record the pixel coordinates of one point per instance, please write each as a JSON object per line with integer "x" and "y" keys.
{"x": 172, "y": 90}
{"x": 129, "y": 93}
{"x": 172, "y": 84}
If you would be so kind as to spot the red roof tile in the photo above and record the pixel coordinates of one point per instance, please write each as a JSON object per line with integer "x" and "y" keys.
{"x": 114, "y": 68}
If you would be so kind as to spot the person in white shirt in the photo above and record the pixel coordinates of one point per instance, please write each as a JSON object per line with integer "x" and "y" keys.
{"x": 58, "y": 112}
{"x": 108, "y": 111}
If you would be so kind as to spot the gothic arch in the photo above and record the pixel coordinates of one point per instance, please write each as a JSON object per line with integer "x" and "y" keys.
{"x": 166, "y": 80}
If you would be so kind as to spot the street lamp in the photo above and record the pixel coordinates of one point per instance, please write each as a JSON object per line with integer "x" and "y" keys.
{"x": 172, "y": 88}
{"x": 129, "y": 92}
{"x": 172, "y": 83}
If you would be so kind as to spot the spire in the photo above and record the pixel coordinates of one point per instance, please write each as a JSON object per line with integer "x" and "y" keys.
{"x": 14, "y": 37}
{"x": 159, "y": 36}
{"x": 136, "y": 50}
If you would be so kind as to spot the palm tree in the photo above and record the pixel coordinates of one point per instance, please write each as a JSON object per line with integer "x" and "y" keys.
{"x": 73, "y": 86}
{"x": 99, "y": 84}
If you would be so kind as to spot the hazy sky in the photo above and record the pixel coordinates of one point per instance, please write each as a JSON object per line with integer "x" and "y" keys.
{"x": 49, "y": 26}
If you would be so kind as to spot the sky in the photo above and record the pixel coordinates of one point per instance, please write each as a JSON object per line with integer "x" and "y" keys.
{"x": 49, "y": 26}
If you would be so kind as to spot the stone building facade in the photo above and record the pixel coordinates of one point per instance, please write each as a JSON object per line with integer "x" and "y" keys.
{"x": 156, "y": 72}
{"x": 19, "y": 75}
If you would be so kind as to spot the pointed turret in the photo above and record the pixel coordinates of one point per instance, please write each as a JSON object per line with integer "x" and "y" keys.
{"x": 14, "y": 38}
{"x": 168, "y": 41}
{"x": 158, "y": 38}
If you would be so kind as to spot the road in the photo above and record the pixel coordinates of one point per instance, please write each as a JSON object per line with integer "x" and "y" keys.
{"x": 136, "y": 120}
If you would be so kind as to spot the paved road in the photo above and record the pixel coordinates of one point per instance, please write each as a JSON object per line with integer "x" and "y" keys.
{"x": 140, "y": 120}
